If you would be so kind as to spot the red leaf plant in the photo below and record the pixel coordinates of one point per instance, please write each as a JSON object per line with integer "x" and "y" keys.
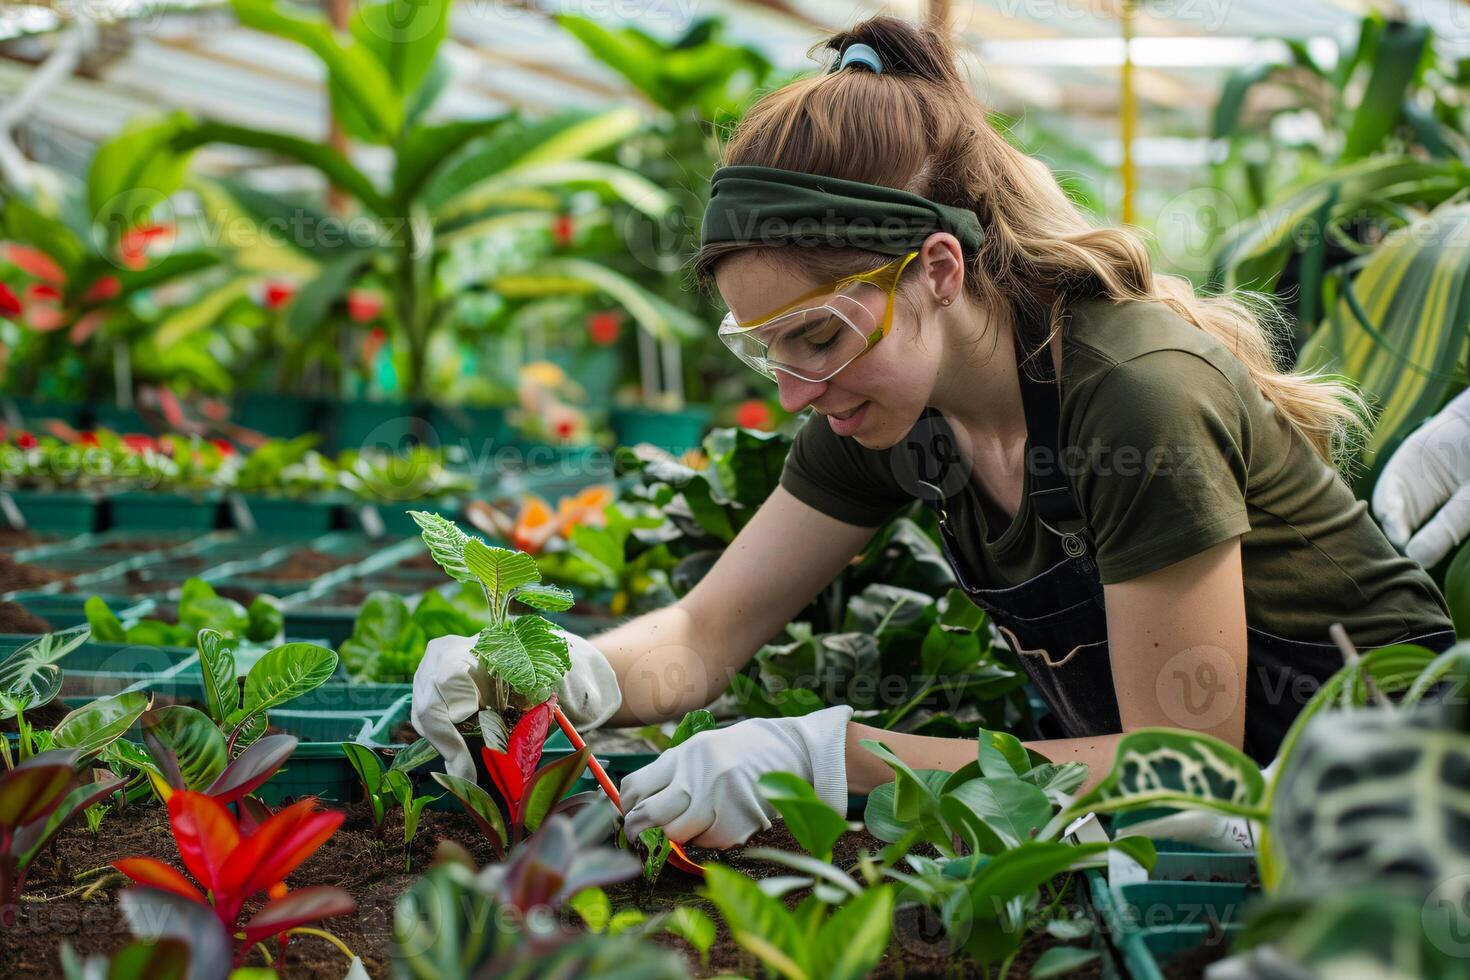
{"x": 236, "y": 862}
{"x": 512, "y": 769}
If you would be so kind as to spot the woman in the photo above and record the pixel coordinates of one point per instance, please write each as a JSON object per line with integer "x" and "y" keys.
{"x": 1123, "y": 479}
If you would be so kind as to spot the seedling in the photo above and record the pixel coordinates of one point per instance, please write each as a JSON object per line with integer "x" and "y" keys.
{"x": 38, "y": 798}
{"x": 385, "y": 788}
{"x": 188, "y": 752}
{"x": 200, "y": 608}
{"x": 234, "y": 865}
{"x": 388, "y": 641}
{"x": 31, "y": 678}
{"x": 656, "y": 844}
{"x": 529, "y": 793}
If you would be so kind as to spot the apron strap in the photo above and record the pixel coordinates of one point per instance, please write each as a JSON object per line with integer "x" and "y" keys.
{"x": 1051, "y": 493}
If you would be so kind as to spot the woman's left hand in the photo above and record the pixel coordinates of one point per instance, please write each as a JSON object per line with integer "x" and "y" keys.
{"x": 704, "y": 791}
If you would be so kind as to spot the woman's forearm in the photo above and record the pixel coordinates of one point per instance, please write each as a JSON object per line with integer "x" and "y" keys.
{"x": 865, "y": 771}
{"x": 666, "y": 666}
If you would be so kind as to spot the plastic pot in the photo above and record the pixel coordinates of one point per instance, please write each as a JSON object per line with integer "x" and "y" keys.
{"x": 58, "y": 511}
{"x": 674, "y": 432}
{"x": 145, "y": 510}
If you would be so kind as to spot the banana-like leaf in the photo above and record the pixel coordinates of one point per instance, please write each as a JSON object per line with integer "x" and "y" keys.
{"x": 1396, "y": 59}
{"x": 1402, "y": 326}
{"x": 361, "y": 88}
{"x": 92, "y": 727}
{"x": 335, "y": 167}
{"x": 202, "y": 314}
{"x": 221, "y": 680}
{"x": 427, "y": 148}
{"x": 405, "y": 45}
{"x": 134, "y": 172}
{"x": 611, "y": 181}
{"x": 552, "y": 276}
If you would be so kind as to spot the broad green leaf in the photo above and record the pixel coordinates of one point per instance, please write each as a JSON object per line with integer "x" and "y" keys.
{"x": 1061, "y": 960}
{"x": 554, "y": 275}
{"x": 50, "y": 648}
{"x": 427, "y": 148}
{"x": 593, "y": 907}
{"x": 92, "y": 727}
{"x": 133, "y": 173}
{"x": 1013, "y": 809}
{"x": 214, "y": 612}
{"x": 26, "y": 684}
{"x": 221, "y": 682}
{"x": 479, "y": 805}
{"x": 106, "y": 628}
{"x": 550, "y": 783}
{"x": 694, "y": 722}
{"x": 881, "y": 821}
{"x": 814, "y": 824}
{"x": 758, "y": 922}
{"x": 405, "y": 36}
{"x": 364, "y": 762}
{"x": 1002, "y": 754}
{"x": 287, "y": 672}
{"x": 525, "y": 653}
{"x": 185, "y": 745}
{"x": 266, "y": 619}
{"x": 500, "y": 570}
{"x": 1168, "y": 767}
{"x": 853, "y": 940}
{"x": 694, "y": 927}
{"x": 415, "y": 755}
{"x": 913, "y": 798}
{"x": 547, "y": 598}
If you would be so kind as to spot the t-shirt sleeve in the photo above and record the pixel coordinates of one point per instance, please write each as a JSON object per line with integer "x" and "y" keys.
{"x": 839, "y": 477}
{"x": 1164, "y": 440}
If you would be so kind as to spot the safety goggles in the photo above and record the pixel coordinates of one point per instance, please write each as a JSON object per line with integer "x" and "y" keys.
{"x": 814, "y": 340}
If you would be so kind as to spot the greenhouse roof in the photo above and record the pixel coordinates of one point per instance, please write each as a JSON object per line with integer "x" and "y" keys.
{"x": 1038, "y": 57}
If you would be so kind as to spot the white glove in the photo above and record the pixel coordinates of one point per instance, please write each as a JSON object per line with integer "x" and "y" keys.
{"x": 1429, "y": 472}
{"x": 451, "y": 685}
{"x": 703, "y": 792}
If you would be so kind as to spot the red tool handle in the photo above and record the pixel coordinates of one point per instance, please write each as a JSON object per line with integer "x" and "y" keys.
{"x": 678, "y": 859}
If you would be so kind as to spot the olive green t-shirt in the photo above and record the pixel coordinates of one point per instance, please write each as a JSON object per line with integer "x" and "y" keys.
{"x": 1170, "y": 449}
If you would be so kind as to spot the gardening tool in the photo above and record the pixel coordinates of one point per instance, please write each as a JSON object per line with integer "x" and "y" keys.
{"x": 678, "y": 859}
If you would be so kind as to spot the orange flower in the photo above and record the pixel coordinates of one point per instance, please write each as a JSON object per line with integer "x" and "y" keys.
{"x": 534, "y": 525}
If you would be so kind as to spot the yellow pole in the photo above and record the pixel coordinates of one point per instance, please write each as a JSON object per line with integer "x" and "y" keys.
{"x": 1128, "y": 113}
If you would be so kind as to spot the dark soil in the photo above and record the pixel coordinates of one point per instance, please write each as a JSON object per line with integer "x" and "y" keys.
{"x": 134, "y": 581}
{"x": 1192, "y": 965}
{"x": 15, "y": 618}
{"x": 11, "y": 538}
{"x": 423, "y": 562}
{"x": 239, "y": 593}
{"x": 45, "y": 717}
{"x": 373, "y": 872}
{"x": 19, "y": 575}
{"x": 138, "y": 545}
{"x": 352, "y": 594}
{"x": 304, "y": 564}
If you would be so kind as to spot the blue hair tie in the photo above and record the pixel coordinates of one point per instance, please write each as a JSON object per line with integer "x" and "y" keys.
{"x": 861, "y": 54}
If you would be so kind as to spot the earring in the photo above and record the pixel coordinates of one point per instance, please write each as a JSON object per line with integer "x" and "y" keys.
{"x": 945, "y": 301}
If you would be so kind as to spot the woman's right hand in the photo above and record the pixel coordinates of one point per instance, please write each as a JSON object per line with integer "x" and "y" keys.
{"x": 451, "y": 685}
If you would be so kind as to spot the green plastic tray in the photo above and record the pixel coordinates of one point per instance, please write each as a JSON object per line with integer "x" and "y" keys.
{"x": 63, "y": 610}
{"x": 283, "y": 416}
{"x": 283, "y": 515}
{"x": 671, "y": 431}
{"x": 58, "y": 511}
{"x": 142, "y": 510}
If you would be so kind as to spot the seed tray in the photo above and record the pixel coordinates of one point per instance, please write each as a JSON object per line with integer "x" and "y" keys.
{"x": 150, "y": 510}
{"x": 260, "y": 513}
{"x": 55, "y": 511}
{"x": 63, "y": 610}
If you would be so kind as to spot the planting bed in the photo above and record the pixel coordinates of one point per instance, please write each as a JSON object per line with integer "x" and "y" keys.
{"x": 60, "y": 908}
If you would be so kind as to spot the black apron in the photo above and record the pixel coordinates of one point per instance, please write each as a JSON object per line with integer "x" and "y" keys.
{"x": 1057, "y": 624}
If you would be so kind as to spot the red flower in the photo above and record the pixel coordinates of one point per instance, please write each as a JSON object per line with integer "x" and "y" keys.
{"x": 753, "y": 414}
{"x": 37, "y": 263}
{"x": 26, "y": 441}
{"x": 278, "y": 294}
{"x": 102, "y": 290}
{"x": 224, "y": 446}
{"x": 89, "y": 439}
{"x": 364, "y": 305}
{"x": 140, "y": 443}
{"x": 562, "y": 230}
{"x": 132, "y": 248}
{"x": 603, "y": 327}
{"x": 565, "y": 429}
{"x": 9, "y": 303}
{"x": 41, "y": 291}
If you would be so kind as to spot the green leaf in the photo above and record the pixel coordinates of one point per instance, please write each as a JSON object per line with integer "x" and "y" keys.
{"x": 106, "y": 628}
{"x": 415, "y": 755}
{"x": 214, "y": 612}
{"x": 1061, "y": 960}
{"x": 1457, "y": 590}
{"x": 133, "y": 173}
{"x": 185, "y": 745}
{"x": 1013, "y": 809}
{"x": 500, "y": 570}
{"x": 694, "y": 722}
{"x": 26, "y": 684}
{"x": 50, "y": 648}
{"x": 266, "y": 619}
{"x": 376, "y": 631}
{"x": 593, "y": 907}
{"x": 883, "y": 824}
{"x": 913, "y": 798}
{"x": 526, "y": 653}
{"x": 694, "y": 927}
{"x": 814, "y": 824}
{"x": 547, "y": 598}
{"x": 549, "y": 784}
{"x": 404, "y": 37}
{"x": 287, "y": 672}
{"x": 1396, "y": 59}
{"x": 365, "y": 763}
{"x": 92, "y": 727}
{"x": 1166, "y": 767}
{"x": 360, "y": 86}
{"x": 1002, "y": 755}
{"x": 479, "y": 805}
{"x": 757, "y": 921}
{"x": 853, "y": 940}
{"x": 221, "y": 681}
{"x": 427, "y": 148}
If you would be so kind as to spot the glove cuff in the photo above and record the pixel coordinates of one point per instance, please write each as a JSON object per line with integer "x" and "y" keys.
{"x": 825, "y": 734}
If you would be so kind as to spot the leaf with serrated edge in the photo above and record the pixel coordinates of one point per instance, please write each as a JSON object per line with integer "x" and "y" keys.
{"x": 525, "y": 653}
{"x": 446, "y": 544}
{"x": 547, "y": 598}
{"x": 499, "y": 569}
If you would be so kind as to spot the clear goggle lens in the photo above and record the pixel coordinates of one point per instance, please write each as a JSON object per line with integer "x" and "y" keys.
{"x": 812, "y": 343}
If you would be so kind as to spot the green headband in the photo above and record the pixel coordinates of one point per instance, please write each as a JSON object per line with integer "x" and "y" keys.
{"x": 770, "y": 206}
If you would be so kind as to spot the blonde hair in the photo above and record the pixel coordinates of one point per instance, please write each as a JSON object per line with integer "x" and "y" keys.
{"x": 920, "y": 128}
